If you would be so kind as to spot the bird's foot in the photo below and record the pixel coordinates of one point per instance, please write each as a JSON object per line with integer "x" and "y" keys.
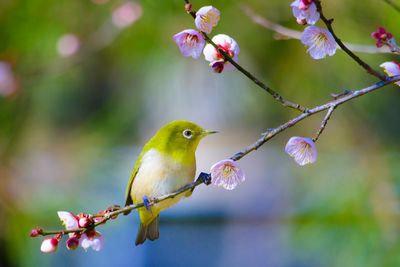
{"x": 205, "y": 178}
{"x": 147, "y": 203}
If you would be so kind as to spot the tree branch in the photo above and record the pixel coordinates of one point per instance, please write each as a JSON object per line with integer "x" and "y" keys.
{"x": 324, "y": 122}
{"x": 330, "y": 106}
{"x": 290, "y": 33}
{"x": 393, "y": 5}
{"x": 328, "y": 23}
{"x": 337, "y": 102}
{"x": 262, "y": 85}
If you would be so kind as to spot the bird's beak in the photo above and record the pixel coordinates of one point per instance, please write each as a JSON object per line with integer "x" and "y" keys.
{"x": 207, "y": 132}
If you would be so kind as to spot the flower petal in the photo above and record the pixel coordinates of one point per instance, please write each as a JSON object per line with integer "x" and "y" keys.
{"x": 68, "y": 219}
{"x": 207, "y": 17}
{"x": 307, "y": 13}
{"x": 227, "y": 173}
{"x": 228, "y": 45}
{"x": 320, "y": 42}
{"x": 95, "y": 242}
{"x": 302, "y": 149}
{"x": 391, "y": 68}
{"x": 49, "y": 245}
{"x": 190, "y": 43}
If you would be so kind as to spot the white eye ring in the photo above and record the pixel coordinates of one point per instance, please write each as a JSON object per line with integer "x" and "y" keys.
{"x": 187, "y": 134}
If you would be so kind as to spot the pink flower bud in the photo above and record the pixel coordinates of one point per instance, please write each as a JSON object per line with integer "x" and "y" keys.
{"x": 305, "y": 10}
{"x": 188, "y": 8}
{"x": 305, "y": 4}
{"x": 84, "y": 222}
{"x": 381, "y": 36}
{"x": 36, "y": 232}
{"x": 301, "y": 21}
{"x": 49, "y": 245}
{"x": 72, "y": 243}
{"x": 217, "y": 66}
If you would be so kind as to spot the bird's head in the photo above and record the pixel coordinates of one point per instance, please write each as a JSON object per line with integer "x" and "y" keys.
{"x": 179, "y": 138}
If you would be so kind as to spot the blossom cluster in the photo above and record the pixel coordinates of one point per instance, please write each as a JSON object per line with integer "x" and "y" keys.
{"x": 385, "y": 38}
{"x": 192, "y": 42}
{"x": 320, "y": 42}
{"x": 81, "y": 231}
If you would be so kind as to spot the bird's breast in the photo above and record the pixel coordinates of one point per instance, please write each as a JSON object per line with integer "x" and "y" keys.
{"x": 159, "y": 174}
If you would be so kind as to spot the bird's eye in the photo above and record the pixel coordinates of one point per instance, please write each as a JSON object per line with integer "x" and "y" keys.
{"x": 187, "y": 133}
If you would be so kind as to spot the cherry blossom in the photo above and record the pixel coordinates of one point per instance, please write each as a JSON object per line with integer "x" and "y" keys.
{"x": 190, "y": 43}
{"x": 305, "y": 12}
{"x": 228, "y": 45}
{"x": 302, "y": 149}
{"x": 320, "y": 42}
{"x": 207, "y": 17}
{"x": 227, "y": 173}
{"x": 391, "y": 68}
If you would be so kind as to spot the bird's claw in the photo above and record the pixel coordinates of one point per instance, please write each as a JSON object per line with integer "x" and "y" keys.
{"x": 147, "y": 203}
{"x": 205, "y": 178}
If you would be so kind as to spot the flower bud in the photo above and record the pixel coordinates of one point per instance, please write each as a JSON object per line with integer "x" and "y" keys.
{"x": 49, "y": 245}
{"x": 217, "y": 66}
{"x": 72, "y": 243}
{"x": 188, "y": 8}
{"x": 36, "y": 232}
{"x": 84, "y": 222}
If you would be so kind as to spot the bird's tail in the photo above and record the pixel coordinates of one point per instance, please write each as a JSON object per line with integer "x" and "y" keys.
{"x": 149, "y": 231}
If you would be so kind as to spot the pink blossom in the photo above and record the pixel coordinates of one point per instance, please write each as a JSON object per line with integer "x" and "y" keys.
{"x": 68, "y": 45}
{"x": 227, "y": 173}
{"x": 73, "y": 242}
{"x": 68, "y": 220}
{"x": 305, "y": 11}
{"x": 207, "y": 17}
{"x": 36, "y": 232}
{"x": 319, "y": 41}
{"x": 302, "y": 149}
{"x": 92, "y": 240}
{"x": 190, "y": 43}
{"x": 49, "y": 245}
{"x": 126, "y": 14}
{"x": 391, "y": 68}
{"x": 8, "y": 82}
{"x": 228, "y": 45}
{"x": 382, "y": 37}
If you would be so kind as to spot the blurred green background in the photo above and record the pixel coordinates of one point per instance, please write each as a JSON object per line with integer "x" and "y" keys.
{"x": 89, "y": 81}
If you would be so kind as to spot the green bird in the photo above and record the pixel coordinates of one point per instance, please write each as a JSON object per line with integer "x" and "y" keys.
{"x": 167, "y": 162}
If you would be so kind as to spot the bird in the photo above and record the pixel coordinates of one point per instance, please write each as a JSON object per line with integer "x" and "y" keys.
{"x": 166, "y": 163}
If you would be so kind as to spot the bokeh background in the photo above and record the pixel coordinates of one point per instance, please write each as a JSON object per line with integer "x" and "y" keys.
{"x": 84, "y": 84}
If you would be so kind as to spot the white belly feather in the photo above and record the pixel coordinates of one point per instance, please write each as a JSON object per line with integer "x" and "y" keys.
{"x": 159, "y": 175}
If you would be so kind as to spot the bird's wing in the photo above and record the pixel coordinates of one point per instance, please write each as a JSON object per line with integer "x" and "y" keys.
{"x": 128, "y": 198}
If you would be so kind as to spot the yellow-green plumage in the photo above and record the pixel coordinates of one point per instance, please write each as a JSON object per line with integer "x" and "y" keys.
{"x": 166, "y": 163}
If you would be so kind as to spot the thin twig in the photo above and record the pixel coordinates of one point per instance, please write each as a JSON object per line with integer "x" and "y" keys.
{"x": 265, "y": 137}
{"x": 393, "y": 5}
{"x": 274, "y": 131}
{"x": 290, "y": 33}
{"x": 107, "y": 216}
{"x": 324, "y": 122}
{"x": 328, "y": 23}
{"x": 273, "y": 93}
